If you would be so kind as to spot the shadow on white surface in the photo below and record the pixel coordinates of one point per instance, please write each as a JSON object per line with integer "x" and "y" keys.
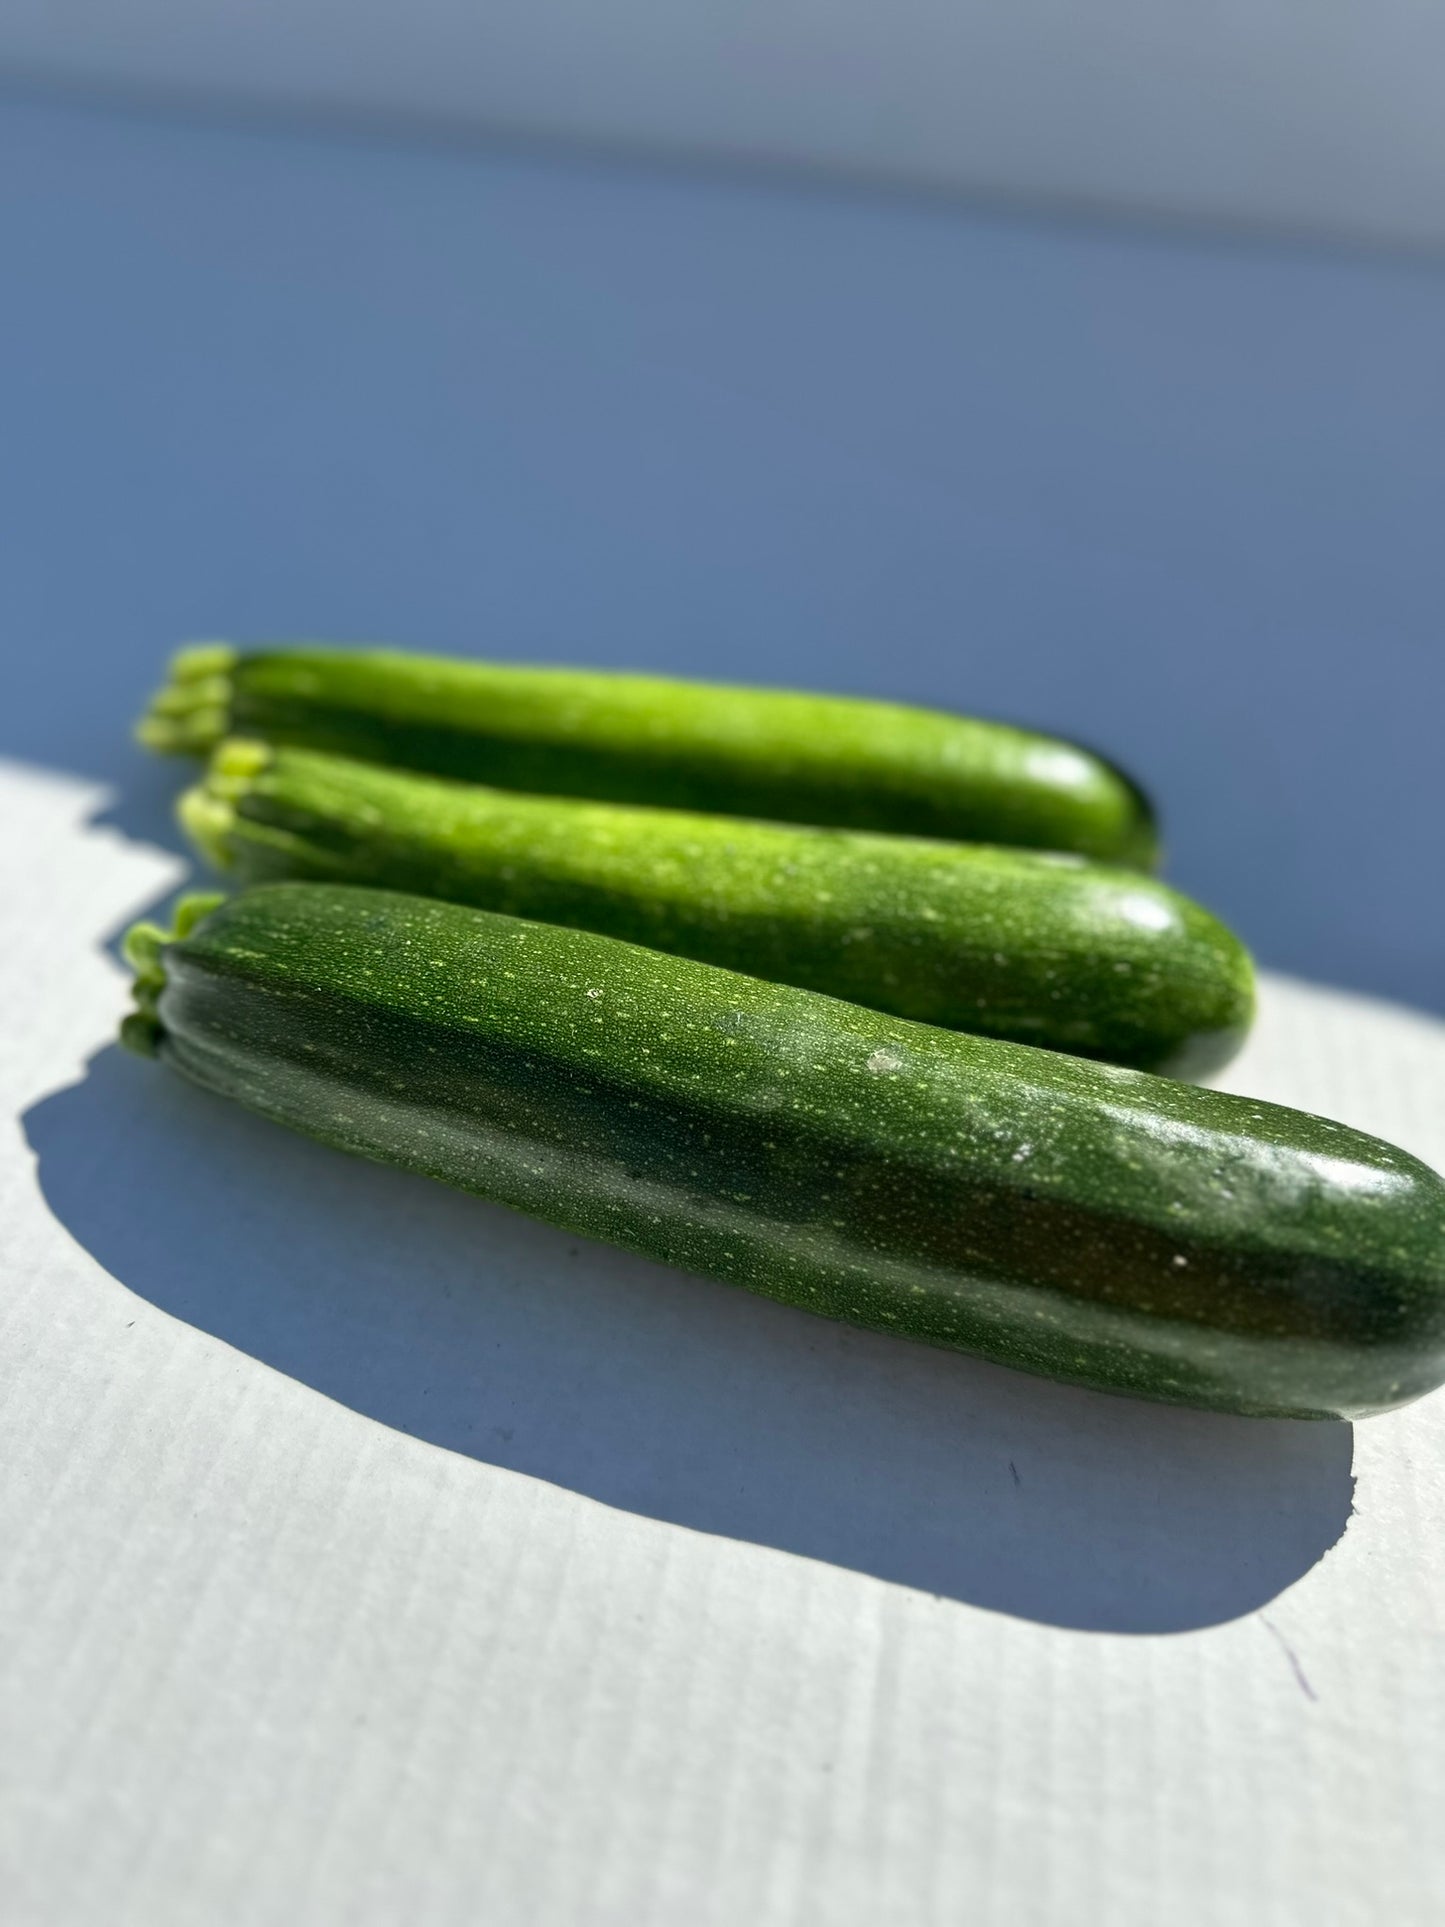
{"x": 682, "y": 1400}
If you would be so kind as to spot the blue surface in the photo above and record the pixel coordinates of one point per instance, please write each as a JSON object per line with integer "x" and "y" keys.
{"x": 1178, "y": 499}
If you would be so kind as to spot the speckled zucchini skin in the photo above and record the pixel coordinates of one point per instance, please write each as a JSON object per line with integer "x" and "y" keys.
{"x": 679, "y": 745}
{"x": 1094, "y": 1224}
{"x": 1044, "y": 949}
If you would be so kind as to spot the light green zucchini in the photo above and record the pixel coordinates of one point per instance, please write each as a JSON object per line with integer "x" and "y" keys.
{"x": 1045, "y": 949}
{"x": 679, "y": 745}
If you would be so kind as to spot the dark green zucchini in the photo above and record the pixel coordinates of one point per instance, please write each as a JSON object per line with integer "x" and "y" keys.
{"x": 1094, "y": 1224}
{"x": 677, "y": 745}
{"x": 1045, "y": 949}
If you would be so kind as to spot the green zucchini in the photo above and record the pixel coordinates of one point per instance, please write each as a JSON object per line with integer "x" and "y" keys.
{"x": 678, "y": 745}
{"x": 1094, "y": 1224}
{"x": 1043, "y": 948}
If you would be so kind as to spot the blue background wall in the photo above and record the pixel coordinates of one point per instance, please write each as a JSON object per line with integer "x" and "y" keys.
{"x": 1179, "y": 498}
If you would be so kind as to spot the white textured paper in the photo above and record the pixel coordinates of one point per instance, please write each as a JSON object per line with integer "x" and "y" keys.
{"x": 370, "y": 1555}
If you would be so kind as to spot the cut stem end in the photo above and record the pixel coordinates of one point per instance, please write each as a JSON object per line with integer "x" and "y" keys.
{"x": 191, "y": 713}
{"x": 143, "y": 948}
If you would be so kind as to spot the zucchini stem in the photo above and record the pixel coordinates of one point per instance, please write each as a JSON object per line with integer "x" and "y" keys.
{"x": 190, "y": 714}
{"x": 208, "y": 810}
{"x": 143, "y": 948}
{"x": 208, "y": 821}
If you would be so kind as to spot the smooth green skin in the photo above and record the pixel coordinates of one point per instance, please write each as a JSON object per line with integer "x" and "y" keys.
{"x": 679, "y": 745}
{"x": 1044, "y": 949}
{"x": 1094, "y": 1224}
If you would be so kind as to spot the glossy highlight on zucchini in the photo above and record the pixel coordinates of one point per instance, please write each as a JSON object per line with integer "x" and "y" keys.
{"x": 1045, "y": 949}
{"x": 619, "y": 738}
{"x": 1093, "y": 1224}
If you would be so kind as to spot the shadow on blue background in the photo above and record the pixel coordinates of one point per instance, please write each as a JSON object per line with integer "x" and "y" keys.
{"x": 1180, "y": 499}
